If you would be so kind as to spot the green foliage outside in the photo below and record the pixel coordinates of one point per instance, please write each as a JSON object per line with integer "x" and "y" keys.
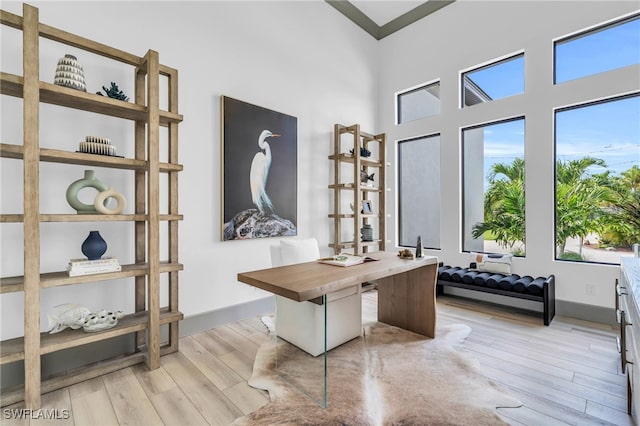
{"x": 604, "y": 204}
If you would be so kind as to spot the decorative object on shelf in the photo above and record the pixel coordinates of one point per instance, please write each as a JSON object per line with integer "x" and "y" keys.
{"x": 97, "y": 145}
{"x": 249, "y": 211}
{"x": 366, "y": 207}
{"x": 89, "y": 181}
{"x": 67, "y": 315}
{"x": 80, "y": 267}
{"x": 101, "y": 320}
{"x": 363, "y": 152}
{"x": 367, "y": 232}
{"x": 365, "y": 178}
{"x": 419, "y": 247}
{"x": 114, "y": 92}
{"x": 101, "y": 200}
{"x": 69, "y": 73}
{"x": 94, "y": 246}
{"x": 405, "y": 254}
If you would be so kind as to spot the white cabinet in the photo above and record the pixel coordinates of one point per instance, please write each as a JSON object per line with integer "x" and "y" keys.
{"x": 628, "y": 313}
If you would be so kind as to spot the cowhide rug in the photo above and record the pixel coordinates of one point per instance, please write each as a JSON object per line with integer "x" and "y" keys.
{"x": 389, "y": 376}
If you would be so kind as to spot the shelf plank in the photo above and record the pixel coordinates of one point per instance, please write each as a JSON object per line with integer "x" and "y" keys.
{"x": 347, "y": 158}
{"x": 13, "y": 349}
{"x": 18, "y": 218}
{"x": 351, "y": 244}
{"x": 11, "y": 284}
{"x": 12, "y": 85}
{"x": 67, "y": 157}
{"x": 369, "y": 137}
{"x": 351, "y": 187}
{"x": 351, "y": 216}
{"x": 80, "y": 158}
{"x": 104, "y": 217}
{"x": 54, "y": 279}
{"x": 11, "y": 218}
{"x": 341, "y": 216}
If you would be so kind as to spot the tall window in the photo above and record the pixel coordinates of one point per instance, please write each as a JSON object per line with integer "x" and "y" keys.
{"x": 419, "y": 191}
{"x": 598, "y": 180}
{"x": 419, "y": 103}
{"x": 493, "y": 188}
{"x": 606, "y": 48}
{"x": 494, "y": 81}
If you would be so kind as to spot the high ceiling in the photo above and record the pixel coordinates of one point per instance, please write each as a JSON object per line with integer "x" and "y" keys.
{"x": 381, "y": 18}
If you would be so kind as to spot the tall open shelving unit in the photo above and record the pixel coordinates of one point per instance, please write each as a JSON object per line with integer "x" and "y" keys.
{"x": 143, "y": 324}
{"x": 347, "y": 186}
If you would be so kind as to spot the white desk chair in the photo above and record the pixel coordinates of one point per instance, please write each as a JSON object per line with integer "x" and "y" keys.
{"x": 302, "y": 323}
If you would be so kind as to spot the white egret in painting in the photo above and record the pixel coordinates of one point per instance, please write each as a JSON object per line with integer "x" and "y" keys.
{"x": 260, "y": 172}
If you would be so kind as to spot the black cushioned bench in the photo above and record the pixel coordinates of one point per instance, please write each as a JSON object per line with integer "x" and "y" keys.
{"x": 539, "y": 289}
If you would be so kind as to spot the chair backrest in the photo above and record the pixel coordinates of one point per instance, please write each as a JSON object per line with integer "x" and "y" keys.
{"x": 290, "y": 251}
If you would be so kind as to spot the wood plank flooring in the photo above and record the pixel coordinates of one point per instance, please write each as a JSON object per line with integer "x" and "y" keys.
{"x": 565, "y": 374}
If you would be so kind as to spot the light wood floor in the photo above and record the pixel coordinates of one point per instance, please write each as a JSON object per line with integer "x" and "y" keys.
{"x": 568, "y": 373}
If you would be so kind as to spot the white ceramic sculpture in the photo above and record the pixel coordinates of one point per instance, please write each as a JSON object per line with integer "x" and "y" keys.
{"x": 101, "y": 320}
{"x": 67, "y": 315}
{"x": 71, "y": 315}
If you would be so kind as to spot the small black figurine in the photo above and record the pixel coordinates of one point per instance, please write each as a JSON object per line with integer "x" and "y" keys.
{"x": 419, "y": 247}
{"x": 364, "y": 152}
{"x": 114, "y": 92}
{"x": 364, "y": 177}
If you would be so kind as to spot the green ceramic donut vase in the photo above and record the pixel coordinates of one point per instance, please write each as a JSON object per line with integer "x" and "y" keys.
{"x": 89, "y": 181}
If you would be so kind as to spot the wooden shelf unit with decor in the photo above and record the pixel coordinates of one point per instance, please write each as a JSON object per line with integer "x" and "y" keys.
{"x": 347, "y": 186}
{"x": 144, "y": 324}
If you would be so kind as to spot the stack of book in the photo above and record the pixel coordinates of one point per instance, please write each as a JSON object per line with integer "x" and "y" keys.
{"x": 78, "y": 267}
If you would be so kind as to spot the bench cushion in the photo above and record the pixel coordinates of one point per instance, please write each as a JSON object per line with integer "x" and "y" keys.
{"x": 521, "y": 284}
{"x": 512, "y": 282}
{"x": 506, "y": 283}
{"x": 536, "y": 287}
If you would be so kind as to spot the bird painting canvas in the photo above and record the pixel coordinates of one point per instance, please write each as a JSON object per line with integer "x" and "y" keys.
{"x": 259, "y": 171}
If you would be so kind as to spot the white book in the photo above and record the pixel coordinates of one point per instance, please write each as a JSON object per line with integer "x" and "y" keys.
{"x": 343, "y": 259}
{"x": 103, "y": 261}
{"x": 75, "y": 272}
{"x": 92, "y": 267}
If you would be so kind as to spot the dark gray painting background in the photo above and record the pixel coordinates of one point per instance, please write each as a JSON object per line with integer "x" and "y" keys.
{"x": 243, "y": 123}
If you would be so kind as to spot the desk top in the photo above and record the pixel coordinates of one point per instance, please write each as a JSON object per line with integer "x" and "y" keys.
{"x": 305, "y": 281}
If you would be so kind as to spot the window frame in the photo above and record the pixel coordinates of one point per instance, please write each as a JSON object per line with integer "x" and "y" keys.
{"x": 413, "y": 89}
{"x": 398, "y": 190}
{"x": 584, "y": 32}
{"x": 462, "y": 173}
{"x": 487, "y": 64}
{"x": 569, "y": 107}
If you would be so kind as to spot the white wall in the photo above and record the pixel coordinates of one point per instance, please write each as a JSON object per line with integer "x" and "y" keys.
{"x": 468, "y": 33}
{"x": 300, "y": 58}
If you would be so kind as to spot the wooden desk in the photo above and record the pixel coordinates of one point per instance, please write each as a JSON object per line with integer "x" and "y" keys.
{"x": 406, "y": 288}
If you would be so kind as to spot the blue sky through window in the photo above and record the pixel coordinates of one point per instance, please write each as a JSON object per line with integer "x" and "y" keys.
{"x": 503, "y": 143}
{"x": 609, "y": 131}
{"x": 503, "y": 79}
{"x": 614, "y": 47}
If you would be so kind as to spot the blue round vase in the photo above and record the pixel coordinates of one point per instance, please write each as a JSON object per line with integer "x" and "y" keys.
{"x": 94, "y": 246}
